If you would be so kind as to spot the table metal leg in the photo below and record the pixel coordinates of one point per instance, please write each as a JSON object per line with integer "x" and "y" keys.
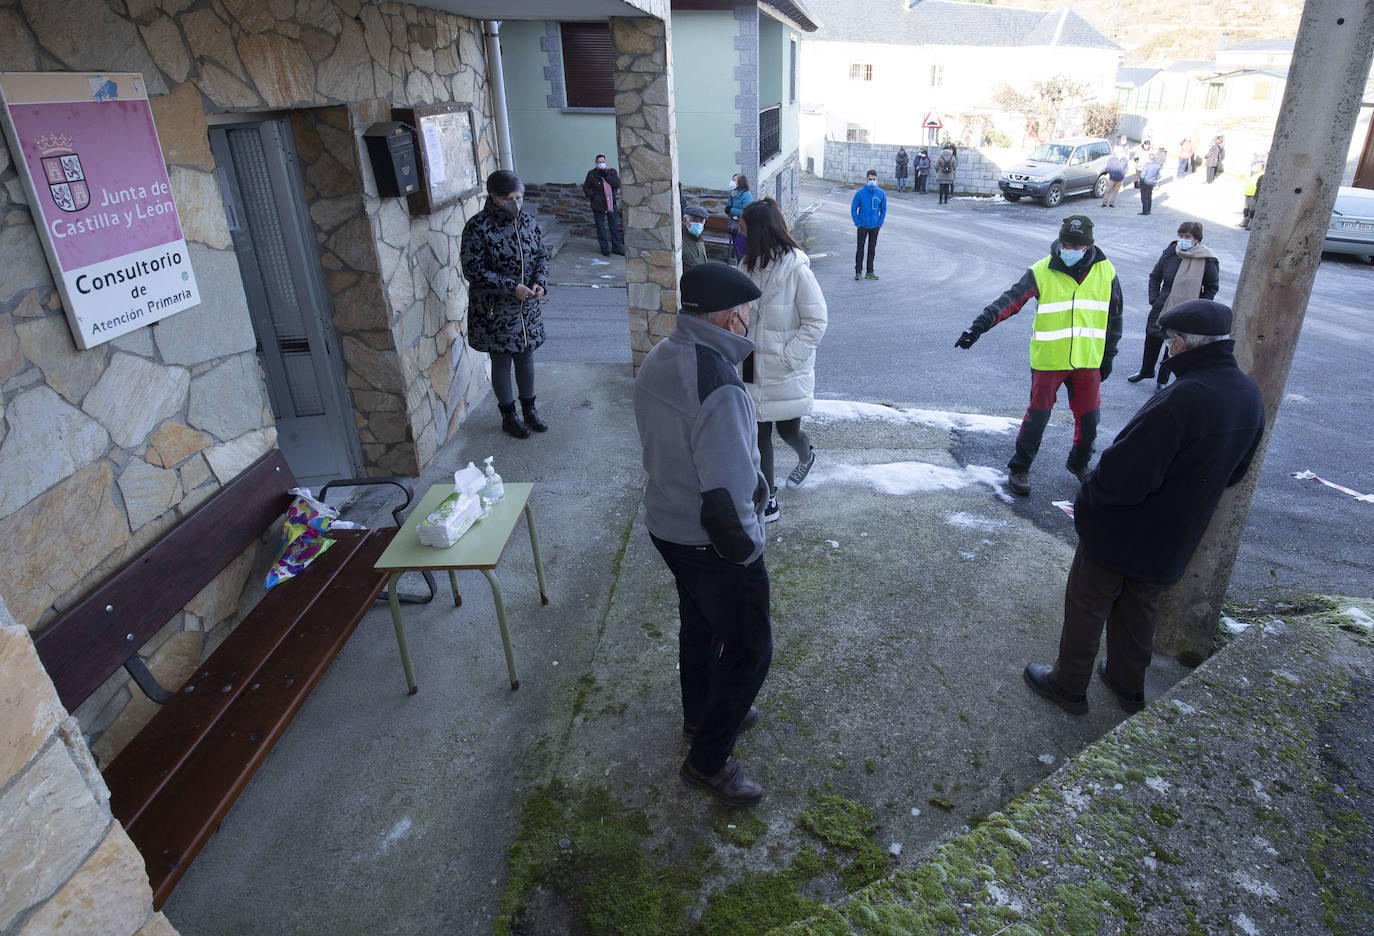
{"x": 534, "y": 545}
{"x": 393, "y": 598}
{"x": 501, "y": 620}
{"x": 453, "y": 584}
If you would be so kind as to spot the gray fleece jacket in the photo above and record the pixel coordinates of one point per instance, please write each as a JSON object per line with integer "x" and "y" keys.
{"x": 696, "y": 423}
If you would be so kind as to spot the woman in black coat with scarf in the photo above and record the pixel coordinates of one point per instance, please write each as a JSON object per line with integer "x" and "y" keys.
{"x": 507, "y": 269}
{"x": 1186, "y": 270}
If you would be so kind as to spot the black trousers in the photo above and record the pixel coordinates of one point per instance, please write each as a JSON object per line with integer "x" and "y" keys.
{"x": 725, "y": 645}
{"x": 1095, "y": 597}
{"x": 792, "y": 433}
{"x": 1147, "y": 195}
{"x": 871, "y": 234}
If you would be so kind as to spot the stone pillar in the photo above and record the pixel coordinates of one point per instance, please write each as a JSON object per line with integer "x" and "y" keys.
{"x": 746, "y": 15}
{"x": 646, "y": 137}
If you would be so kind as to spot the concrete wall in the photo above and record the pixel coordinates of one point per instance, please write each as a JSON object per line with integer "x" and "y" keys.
{"x": 66, "y": 866}
{"x": 977, "y": 173}
{"x": 103, "y": 450}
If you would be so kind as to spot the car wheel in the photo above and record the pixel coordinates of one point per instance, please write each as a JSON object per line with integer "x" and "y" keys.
{"x": 1100, "y": 188}
{"x": 1054, "y": 195}
{"x": 1010, "y": 197}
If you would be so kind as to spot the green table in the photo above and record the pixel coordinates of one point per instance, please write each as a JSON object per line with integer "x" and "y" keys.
{"x": 481, "y": 548}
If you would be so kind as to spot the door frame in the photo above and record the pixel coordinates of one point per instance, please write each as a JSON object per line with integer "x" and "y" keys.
{"x": 302, "y": 247}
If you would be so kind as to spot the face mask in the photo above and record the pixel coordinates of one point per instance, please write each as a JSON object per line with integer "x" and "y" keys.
{"x": 696, "y": 227}
{"x": 512, "y": 207}
{"x": 733, "y": 185}
{"x": 1071, "y": 256}
{"x": 601, "y": 164}
{"x": 872, "y": 183}
{"x": 1185, "y": 243}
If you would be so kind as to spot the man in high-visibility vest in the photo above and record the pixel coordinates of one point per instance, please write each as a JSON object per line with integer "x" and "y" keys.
{"x": 1073, "y": 341}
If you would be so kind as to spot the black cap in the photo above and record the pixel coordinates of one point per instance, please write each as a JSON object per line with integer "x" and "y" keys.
{"x": 696, "y": 211}
{"x": 1076, "y": 231}
{"x": 712, "y": 286}
{"x": 1197, "y": 317}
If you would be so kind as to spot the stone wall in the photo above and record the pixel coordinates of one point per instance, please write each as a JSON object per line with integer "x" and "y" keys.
{"x": 66, "y": 866}
{"x": 102, "y": 450}
{"x": 849, "y": 162}
{"x": 646, "y": 138}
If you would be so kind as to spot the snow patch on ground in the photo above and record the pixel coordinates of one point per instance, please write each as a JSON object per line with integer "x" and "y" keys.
{"x": 1046, "y": 758}
{"x": 974, "y": 522}
{"x": 1159, "y": 785}
{"x": 1358, "y": 616}
{"x": 1183, "y": 707}
{"x": 398, "y": 832}
{"x": 1232, "y": 625}
{"x": 1255, "y": 886}
{"x": 941, "y": 419}
{"x": 1246, "y": 925}
{"x": 903, "y": 478}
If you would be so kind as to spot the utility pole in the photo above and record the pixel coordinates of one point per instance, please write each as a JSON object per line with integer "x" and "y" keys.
{"x": 1331, "y": 60}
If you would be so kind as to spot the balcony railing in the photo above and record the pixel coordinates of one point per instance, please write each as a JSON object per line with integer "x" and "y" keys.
{"x": 769, "y": 133}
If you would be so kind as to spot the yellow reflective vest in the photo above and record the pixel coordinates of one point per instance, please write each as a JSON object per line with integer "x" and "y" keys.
{"x": 1252, "y": 184}
{"x": 1070, "y": 328}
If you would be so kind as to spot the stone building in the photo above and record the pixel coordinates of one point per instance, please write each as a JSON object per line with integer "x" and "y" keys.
{"x": 260, "y": 108}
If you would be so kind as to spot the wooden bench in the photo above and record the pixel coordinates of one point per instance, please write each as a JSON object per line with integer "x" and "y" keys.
{"x": 174, "y": 782}
{"x": 717, "y": 236}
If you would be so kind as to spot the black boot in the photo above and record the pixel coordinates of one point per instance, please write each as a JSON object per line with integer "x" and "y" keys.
{"x": 510, "y": 422}
{"x": 532, "y": 415}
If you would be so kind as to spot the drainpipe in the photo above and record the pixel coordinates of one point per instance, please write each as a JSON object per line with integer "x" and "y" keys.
{"x": 496, "y": 78}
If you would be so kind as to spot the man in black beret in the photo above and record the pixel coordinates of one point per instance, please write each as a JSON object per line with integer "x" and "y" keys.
{"x": 1073, "y": 341}
{"x": 1143, "y": 510}
{"x": 703, "y": 506}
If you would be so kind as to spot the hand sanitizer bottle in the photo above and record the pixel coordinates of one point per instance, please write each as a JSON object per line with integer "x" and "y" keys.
{"x": 495, "y": 489}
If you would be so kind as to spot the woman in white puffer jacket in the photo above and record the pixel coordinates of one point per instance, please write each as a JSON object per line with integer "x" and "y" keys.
{"x": 786, "y": 328}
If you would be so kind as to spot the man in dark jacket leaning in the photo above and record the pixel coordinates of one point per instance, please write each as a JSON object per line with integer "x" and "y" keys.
{"x": 704, "y": 509}
{"x": 1073, "y": 341}
{"x": 1143, "y": 510}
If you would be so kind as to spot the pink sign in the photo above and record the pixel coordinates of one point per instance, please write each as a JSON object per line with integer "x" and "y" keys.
{"x": 87, "y": 150}
{"x": 107, "y": 192}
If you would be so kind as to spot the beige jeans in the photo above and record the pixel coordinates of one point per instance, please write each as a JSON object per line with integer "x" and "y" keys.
{"x": 1109, "y": 196}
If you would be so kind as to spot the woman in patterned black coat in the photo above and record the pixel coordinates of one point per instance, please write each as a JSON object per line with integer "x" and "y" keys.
{"x": 507, "y": 269}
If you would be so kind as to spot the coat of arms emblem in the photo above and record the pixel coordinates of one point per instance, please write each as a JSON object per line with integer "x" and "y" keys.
{"x": 62, "y": 169}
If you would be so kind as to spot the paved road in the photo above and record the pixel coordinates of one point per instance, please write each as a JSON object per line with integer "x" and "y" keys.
{"x": 892, "y": 341}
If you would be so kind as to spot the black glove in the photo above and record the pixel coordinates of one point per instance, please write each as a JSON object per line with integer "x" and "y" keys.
{"x": 1105, "y": 371}
{"x": 967, "y": 339}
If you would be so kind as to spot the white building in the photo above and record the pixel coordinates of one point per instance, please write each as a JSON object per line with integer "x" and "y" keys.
{"x": 877, "y": 69}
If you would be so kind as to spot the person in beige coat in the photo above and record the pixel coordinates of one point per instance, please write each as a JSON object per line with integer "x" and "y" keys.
{"x": 787, "y": 328}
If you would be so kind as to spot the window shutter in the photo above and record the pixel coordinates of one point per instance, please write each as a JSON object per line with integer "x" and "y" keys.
{"x": 588, "y": 64}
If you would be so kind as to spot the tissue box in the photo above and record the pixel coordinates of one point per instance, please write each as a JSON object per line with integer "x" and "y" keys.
{"x": 450, "y": 520}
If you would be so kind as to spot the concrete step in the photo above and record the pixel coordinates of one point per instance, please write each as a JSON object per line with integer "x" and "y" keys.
{"x": 1242, "y": 801}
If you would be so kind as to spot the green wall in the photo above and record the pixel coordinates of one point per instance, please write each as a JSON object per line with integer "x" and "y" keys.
{"x": 704, "y": 60}
{"x": 771, "y": 62}
{"x": 550, "y": 145}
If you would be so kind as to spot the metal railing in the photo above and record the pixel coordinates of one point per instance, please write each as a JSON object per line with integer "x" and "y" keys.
{"x": 770, "y": 143}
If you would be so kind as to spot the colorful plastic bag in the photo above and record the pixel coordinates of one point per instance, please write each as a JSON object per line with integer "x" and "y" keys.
{"x": 302, "y": 539}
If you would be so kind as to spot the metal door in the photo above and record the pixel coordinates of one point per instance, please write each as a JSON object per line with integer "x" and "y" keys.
{"x": 260, "y": 180}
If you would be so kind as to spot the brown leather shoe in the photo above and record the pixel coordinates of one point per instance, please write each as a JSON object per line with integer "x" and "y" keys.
{"x": 689, "y": 730}
{"x": 729, "y": 784}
